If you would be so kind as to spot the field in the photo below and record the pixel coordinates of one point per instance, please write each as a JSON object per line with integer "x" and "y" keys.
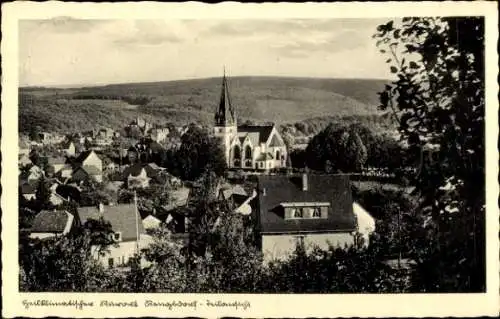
{"x": 258, "y": 99}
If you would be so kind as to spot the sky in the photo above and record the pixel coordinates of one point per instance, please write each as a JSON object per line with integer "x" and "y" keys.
{"x": 66, "y": 51}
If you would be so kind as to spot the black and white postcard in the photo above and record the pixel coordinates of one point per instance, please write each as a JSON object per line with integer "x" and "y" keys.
{"x": 250, "y": 160}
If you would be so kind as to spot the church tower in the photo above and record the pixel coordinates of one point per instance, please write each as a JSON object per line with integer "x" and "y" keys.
{"x": 225, "y": 120}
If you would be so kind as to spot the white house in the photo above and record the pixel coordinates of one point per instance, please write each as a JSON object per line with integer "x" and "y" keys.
{"x": 128, "y": 232}
{"x": 313, "y": 210}
{"x": 151, "y": 222}
{"x": 90, "y": 162}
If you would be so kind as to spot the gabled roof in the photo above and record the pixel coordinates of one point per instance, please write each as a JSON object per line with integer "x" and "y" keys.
{"x": 275, "y": 141}
{"x": 51, "y": 221}
{"x": 122, "y": 218}
{"x": 334, "y": 189}
{"x": 135, "y": 170}
{"x": 83, "y": 156}
{"x": 257, "y": 133}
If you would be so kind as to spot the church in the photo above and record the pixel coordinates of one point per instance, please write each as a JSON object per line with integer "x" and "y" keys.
{"x": 250, "y": 147}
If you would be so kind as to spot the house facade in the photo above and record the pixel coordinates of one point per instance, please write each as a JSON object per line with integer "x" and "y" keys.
{"x": 90, "y": 162}
{"x": 313, "y": 210}
{"x": 256, "y": 147}
{"x": 128, "y": 232}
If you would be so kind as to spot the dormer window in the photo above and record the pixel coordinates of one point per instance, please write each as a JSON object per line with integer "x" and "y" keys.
{"x": 316, "y": 212}
{"x": 298, "y": 212}
{"x": 305, "y": 210}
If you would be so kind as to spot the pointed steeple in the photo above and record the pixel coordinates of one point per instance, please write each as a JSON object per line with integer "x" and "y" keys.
{"x": 225, "y": 115}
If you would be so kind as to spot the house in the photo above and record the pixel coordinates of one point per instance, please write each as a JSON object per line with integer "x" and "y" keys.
{"x": 139, "y": 175}
{"x": 28, "y": 191}
{"x": 65, "y": 172}
{"x": 128, "y": 232}
{"x": 54, "y": 223}
{"x": 56, "y": 163}
{"x": 309, "y": 209}
{"x": 69, "y": 148}
{"x": 247, "y": 146}
{"x": 145, "y": 151}
{"x": 151, "y": 222}
{"x": 90, "y": 162}
{"x": 159, "y": 134}
{"x": 365, "y": 222}
{"x": 236, "y": 196}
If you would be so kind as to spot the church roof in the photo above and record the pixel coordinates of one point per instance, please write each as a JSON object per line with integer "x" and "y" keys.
{"x": 225, "y": 114}
{"x": 257, "y": 133}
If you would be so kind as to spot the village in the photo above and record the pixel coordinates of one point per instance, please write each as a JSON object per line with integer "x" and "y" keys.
{"x": 286, "y": 206}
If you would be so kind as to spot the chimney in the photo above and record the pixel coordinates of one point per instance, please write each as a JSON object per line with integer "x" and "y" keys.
{"x": 304, "y": 181}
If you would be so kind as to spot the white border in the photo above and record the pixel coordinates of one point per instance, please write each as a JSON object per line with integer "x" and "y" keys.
{"x": 359, "y": 305}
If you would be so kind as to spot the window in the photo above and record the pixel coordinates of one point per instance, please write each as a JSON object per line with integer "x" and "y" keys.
{"x": 277, "y": 154}
{"x": 236, "y": 152}
{"x": 298, "y": 212}
{"x": 110, "y": 262}
{"x": 316, "y": 212}
{"x": 261, "y": 165}
{"x": 117, "y": 236}
{"x": 248, "y": 152}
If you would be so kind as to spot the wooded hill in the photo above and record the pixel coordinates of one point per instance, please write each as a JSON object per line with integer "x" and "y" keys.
{"x": 259, "y": 99}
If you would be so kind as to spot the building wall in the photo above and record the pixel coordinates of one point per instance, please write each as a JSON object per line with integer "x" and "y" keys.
{"x": 122, "y": 252}
{"x": 281, "y": 246}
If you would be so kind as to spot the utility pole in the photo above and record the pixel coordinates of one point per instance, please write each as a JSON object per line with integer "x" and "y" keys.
{"x": 136, "y": 222}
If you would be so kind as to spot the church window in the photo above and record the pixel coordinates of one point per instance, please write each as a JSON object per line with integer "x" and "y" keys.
{"x": 248, "y": 152}
{"x": 236, "y": 152}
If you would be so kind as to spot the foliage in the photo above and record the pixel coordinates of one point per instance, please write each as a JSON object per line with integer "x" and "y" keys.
{"x": 438, "y": 99}
{"x": 63, "y": 263}
{"x": 198, "y": 153}
{"x": 336, "y": 149}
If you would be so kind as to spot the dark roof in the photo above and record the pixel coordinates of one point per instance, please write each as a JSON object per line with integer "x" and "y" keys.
{"x": 121, "y": 217}
{"x": 263, "y": 130}
{"x": 50, "y": 221}
{"x": 136, "y": 169}
{"x": 334, "y": 189}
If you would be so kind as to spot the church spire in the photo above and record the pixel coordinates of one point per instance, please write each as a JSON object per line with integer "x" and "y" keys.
{"x": 224, "y": 115}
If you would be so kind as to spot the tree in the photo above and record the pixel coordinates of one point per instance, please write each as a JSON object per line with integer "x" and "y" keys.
{"x": 198, "y": 153}
{"x": 65, "y": 263}
{"x": 43, "y": 194}
{"x": 438, "y": 100}
{"x": 336, "y": 149}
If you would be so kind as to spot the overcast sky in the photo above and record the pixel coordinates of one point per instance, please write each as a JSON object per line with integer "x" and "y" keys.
{"x": 66, "y": 51}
